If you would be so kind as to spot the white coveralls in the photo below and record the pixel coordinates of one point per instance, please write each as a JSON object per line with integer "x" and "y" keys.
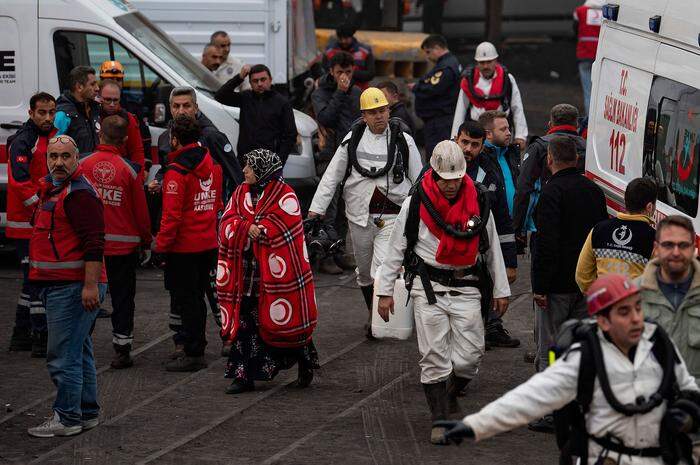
{"x": 516, "y": 108}
{"x": 556, "y": 386}
{"x": 369, "y": 242}
{"x": 451, "y": 332}
{"x": 228, "y": 69}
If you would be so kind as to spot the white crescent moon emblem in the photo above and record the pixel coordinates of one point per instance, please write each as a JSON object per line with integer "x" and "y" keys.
{"x": 228, "y": 232}
{"x": 222, "y": 274}
{"x": 281, "y": 312}
{"x": 278, "y": 267}
{"x": 248, "y": 203}
{"x": 290, "y": 204}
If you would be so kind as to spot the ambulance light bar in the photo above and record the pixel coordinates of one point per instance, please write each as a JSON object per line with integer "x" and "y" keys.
{"x": 610, "y": 11}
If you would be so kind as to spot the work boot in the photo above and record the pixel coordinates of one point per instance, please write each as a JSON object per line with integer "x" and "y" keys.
{"x": 498, "y": 336}
{"x": 21, "y": 340}
{"x": 121, "y": 360}
{"x": 328, "y": 266}
{"x": 543, "y": 425}
{"x": 226, "y": 348}
{"x": 186, "y": 363}
{"x": 238, "y": 387}
{"x": 368, "y": 293}
{"x": 455, "y": 388}
{"x": 345, "y": 261}
{"x": 179, "y": 352}
{"x": 436, "y": 395}
{"x": 39, "y": 344}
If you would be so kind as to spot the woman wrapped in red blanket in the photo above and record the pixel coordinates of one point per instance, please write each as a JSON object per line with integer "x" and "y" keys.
{"x": 264, "y": 280}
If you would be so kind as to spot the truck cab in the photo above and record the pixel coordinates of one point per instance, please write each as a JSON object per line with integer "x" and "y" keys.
{"x": 45, "y": 39}
{"x": 645, "y": 103}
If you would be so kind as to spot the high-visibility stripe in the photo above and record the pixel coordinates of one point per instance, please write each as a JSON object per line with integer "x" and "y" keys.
{"x": 588, "y": 39}
{"x": 122, "y": 238}
{"x": 506, "y": 238}
{"x": 57, "y": 265}
{"x": 31, "y": 200}
{"x": 19, "y": 224}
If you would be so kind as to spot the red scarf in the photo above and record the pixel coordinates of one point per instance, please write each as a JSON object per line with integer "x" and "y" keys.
{"x": 286, "y": 301}
{"x": 563, "y": 128}
{"x": 477, "y": 97}
{"x": 452, "y": 250}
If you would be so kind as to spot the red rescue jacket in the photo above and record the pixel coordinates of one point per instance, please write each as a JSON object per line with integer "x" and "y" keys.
{"x": 589, "y": 20}
{"x": 133, "y": 148}
{"x": 191, "y": 202}
{"x": 118, "y": 183}
{"x": 55, "y": 250}
{"x": 26, "y": 167}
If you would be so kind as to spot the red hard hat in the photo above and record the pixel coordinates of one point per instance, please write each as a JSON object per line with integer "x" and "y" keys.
{"x": 608, "y": 290}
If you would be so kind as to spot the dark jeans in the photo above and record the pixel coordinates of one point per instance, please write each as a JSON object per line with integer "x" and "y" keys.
{"x": 187, "y": 279}
{"x": 121, "y": 274}
{"x": 30, "y": 313}
{"x": 69, "y": 355}
{"x": 436, "y": 130}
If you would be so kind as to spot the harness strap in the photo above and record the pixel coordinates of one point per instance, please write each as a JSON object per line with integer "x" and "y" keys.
{"x": 615, "y": 445}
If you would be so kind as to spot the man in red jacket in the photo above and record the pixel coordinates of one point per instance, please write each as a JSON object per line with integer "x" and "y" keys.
{"x": 188, "y": 237}
{"x": 587, "y": 21}
{"x": 110, "y": 96}
{"x": 27, "y": 165}
{"x": 127, "y": 226}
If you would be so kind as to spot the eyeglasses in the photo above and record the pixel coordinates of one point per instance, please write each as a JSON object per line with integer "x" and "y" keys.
{"x": 670, "y": 245}
{"x": 63, "y": 140}
{"x": 110, "y": 101}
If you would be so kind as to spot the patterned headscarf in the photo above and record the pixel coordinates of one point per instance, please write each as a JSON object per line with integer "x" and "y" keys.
{"x": 265, "y": 164}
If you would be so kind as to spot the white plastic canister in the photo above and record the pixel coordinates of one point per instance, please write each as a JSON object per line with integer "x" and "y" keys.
{"x": 400, "y": 324}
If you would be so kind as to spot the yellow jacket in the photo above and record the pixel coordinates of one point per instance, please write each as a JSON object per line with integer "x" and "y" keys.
{"x": 621, "y": 245}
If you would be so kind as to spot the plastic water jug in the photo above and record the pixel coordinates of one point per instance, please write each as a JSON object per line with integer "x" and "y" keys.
{"x": 400, "y": 325}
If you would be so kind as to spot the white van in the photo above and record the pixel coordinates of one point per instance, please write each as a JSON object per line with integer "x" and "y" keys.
{"x": 42, "y": 40}
{"x": 645, "y": 103}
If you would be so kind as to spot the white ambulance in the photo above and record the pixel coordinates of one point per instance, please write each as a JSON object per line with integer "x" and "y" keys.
{"x": 645, "y": 103}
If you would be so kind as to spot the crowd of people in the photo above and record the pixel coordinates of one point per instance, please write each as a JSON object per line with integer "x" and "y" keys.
{"x": 228, "y": 233}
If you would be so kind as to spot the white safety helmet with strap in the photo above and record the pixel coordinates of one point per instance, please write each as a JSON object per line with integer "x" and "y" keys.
{"x": 448, "y": 160}
{"x": 485, "y": 51}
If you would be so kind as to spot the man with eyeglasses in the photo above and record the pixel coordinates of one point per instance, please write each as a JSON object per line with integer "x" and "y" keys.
{"x": 671, "y": 287}
{"x": 110, "y": 104}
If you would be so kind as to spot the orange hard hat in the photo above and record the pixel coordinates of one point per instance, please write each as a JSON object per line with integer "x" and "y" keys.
{"x": 111, "y": 69}
{"x": 608, "y": 290}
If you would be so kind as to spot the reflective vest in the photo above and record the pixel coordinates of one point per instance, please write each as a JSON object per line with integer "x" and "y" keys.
{"x": 27, "y": 154}
{"x": 55, "y": 250}
{"x": 118, "y": 184}
{"x": 589, "y": 21}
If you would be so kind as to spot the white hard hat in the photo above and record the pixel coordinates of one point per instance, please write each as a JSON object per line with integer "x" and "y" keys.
{"x": 448, "y": 160}
{"x": 485, "y": 51}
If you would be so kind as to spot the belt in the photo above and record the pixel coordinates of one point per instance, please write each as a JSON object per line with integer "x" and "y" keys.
{"x": 453, "y": 278}
{"x": 609, "y": 443}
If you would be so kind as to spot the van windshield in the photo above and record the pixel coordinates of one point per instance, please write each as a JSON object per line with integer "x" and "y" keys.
{"x": 170, "y": 52}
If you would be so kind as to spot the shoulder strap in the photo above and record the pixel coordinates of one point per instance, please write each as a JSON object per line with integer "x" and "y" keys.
{"x": 667, "y": 357}
{"x": 412, "y": 222}
{"x": 355, "y": 135}
{"x": 586, "y": 377}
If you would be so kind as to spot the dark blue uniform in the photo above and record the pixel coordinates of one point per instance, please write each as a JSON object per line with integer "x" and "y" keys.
{"x": 436, "y": 97}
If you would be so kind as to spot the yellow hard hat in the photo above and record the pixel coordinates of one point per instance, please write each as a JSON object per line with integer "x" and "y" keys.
{"x": 372, "y": 98}
{"x": 111, "y": 69}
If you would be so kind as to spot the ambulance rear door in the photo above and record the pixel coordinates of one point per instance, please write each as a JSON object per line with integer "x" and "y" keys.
{"x": 622, "y": 77}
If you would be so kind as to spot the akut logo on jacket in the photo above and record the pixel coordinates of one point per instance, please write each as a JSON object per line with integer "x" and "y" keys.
{"x": 205, "y": 199}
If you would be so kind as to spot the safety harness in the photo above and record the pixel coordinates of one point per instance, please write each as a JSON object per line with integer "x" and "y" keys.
{"x": 570, "y": 423}
{"x": 476, "y": 275}
{"x": 396, "y": 141}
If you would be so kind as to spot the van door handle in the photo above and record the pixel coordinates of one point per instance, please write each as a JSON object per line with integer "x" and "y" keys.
{"x": 276, "y": 26}
{"x": 10, "y": 125}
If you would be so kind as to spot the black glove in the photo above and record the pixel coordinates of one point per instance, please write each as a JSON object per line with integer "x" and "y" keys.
{"x": 520, "y": 244}
{"x": 456, "y": 430}
{"x": 159, "y": 260}
{"x": 690, "y": 408}
{"x": 677, "y": 421}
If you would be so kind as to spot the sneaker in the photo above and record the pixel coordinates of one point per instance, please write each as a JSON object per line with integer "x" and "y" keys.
{"x": 91, "y": 423}
{"x": 122, "y": 360}
{"x": 21, "y": 340}
{"x": 498, "y": 336}
{"x": 543, "y": 425}
{"x": 39, "y": 344}
{"x": 226, "y": 348}
{"x": 53, "y": 427}
{"x": 239, "y": 387}
{"x": 179, "y": 352}
{"x": 186, "y": 364}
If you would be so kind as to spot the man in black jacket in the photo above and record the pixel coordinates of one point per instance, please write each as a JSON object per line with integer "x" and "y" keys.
{"x": 482, "y": 169}
{"x": 563, "y": 120}
{"x": 397, "y": 107}
{"x": 568, "y": 208}
{"x": 77, "y": 113}
{"x": 266, "y": 119}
